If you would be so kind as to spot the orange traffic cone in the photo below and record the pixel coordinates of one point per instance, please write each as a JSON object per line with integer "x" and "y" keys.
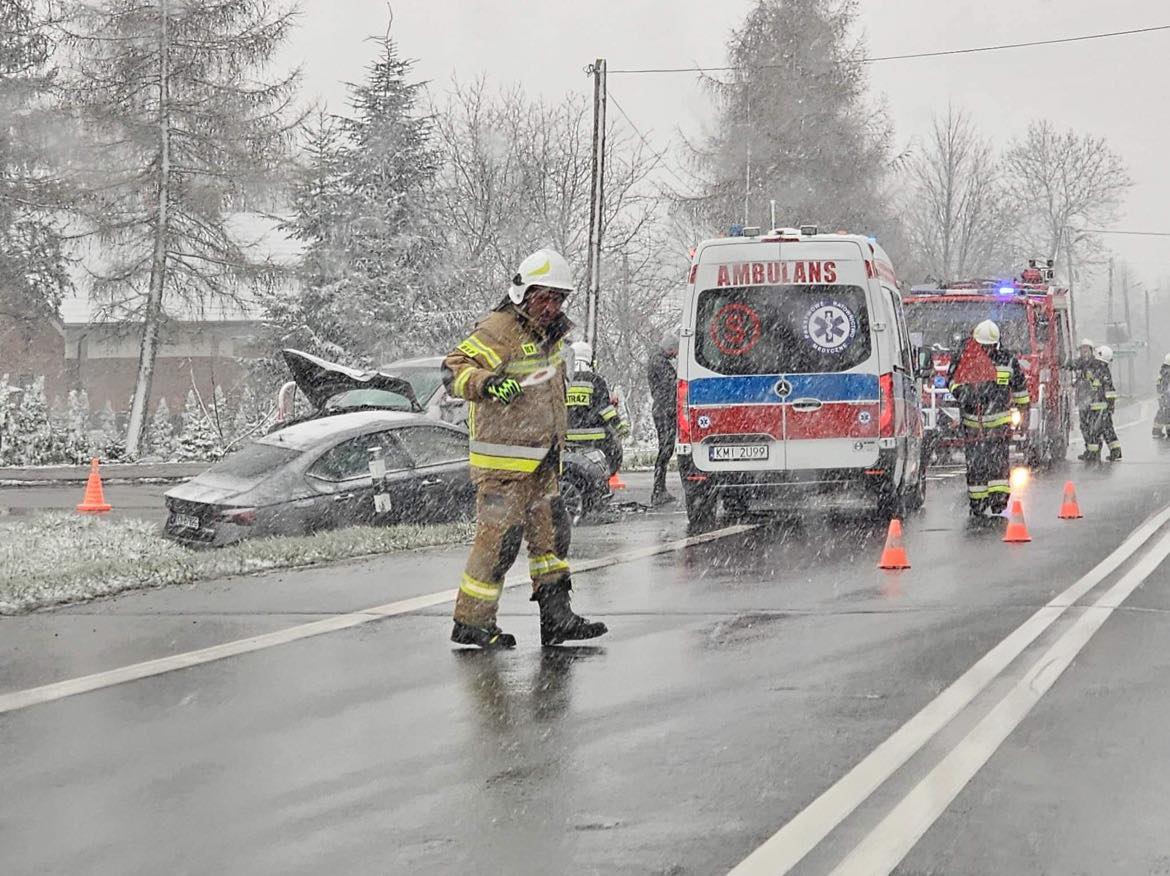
{"x": 616, "y": 482}
{"x": 894, "y": 554}
{"x": 95, "y": 500}
{"x": 1017, "y": 530}
{"x": 1069, "y": 509}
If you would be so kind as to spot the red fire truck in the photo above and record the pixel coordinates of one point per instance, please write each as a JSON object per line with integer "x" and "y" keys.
{"x": 1035, "y": 323}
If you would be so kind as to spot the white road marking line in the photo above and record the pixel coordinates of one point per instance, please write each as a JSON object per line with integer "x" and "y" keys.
{"x": 32, "y": 696}
{"x": 789, "y": 845}
{"x": 888, "y": 843}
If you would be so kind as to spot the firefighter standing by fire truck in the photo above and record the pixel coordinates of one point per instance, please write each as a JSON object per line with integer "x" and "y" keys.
{"x": 1081, "y": 368}
{"x": 1103, "y": 400}
{"x": 987, "y": 381}
{"x": 511, "y": 370}
{"x": 594, "y": 421}
{"x": 1162, "y": 417}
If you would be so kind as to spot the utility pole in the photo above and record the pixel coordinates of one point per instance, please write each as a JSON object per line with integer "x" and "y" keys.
{"x": 596, "y": 200}
{"x": 1109, "y": 300}
{"x": 1149, "y": 345}
{"x": 1072, "y": 301}
{"x": 1128, "y": 332}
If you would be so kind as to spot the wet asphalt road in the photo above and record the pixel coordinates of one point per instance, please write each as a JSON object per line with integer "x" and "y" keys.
{"x": 741, "y": 679}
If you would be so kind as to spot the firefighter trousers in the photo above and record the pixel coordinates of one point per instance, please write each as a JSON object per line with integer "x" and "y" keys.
{"x": 508, "y": 512}
{"x": 1162, "y": 418}
{"x": 1101, "y": 432}
{"x": 988, "y": 453}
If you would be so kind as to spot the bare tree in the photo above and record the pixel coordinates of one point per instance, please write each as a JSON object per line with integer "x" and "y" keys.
{"x": 516, "y": 176}
{"x": 182, "y": 129}
{"x": 958, "y": 219}
{"x": 1064, "y": 182}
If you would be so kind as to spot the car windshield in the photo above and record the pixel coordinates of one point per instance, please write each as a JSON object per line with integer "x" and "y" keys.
{"x": 782, "y": 329}
{"x": 254, "y": 460}
{"x": 946, "y": 324}
{"x": 425, "y": 379}
{"x": 368, "y": 398}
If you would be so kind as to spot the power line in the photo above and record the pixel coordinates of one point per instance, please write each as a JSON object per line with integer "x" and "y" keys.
{"x": 1131, "y": 233}
{"x": 914, "y": 55}
{"x": 661, "y": 156}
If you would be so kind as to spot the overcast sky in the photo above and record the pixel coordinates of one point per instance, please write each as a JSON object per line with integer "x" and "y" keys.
{"x": 1117, "y": 88}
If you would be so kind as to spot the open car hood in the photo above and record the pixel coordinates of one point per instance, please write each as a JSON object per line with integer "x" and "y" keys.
{"x": 320, "y": 380}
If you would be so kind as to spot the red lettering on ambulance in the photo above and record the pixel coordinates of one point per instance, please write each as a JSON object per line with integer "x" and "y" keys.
{"x": 773, "y": 272}
{"x": 741, "y": 274}
{"x": 814, "y": 272}
{"x": 830, "y": 272}
{"x": 757, "y": 272}
{"x": 798, "y": 275}
{"x": 724, "y": 277}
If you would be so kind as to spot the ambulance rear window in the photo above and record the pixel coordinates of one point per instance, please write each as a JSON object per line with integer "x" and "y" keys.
{"x": 782, "y": 329}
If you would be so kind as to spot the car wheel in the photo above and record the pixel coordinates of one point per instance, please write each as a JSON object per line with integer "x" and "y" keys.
{"x": 573, "y": 497}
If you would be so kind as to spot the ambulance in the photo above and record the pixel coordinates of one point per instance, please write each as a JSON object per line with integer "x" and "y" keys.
{"x": 798, "y": 384}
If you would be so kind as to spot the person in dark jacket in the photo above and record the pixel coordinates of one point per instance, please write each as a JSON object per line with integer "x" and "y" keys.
{"x": 1162, "y": 418}
{"x": 1081, "y": 368}
{"x": 1103, "y": 401}
{"x": 662, "y": 372}
{"x": 988, "y": 382}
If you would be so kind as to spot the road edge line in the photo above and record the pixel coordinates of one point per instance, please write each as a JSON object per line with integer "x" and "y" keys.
{"x": 789, "y": 845}
{"x": 58, "y": 690}
{"x": 884, "y": 847}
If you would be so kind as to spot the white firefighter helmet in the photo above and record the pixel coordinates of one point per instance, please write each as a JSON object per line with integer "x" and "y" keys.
{"x": 1166, "y": 360}
{"x": 582, "y": 356}
{"x": 545, "y": 267}
{"x": 1104, "y": 353}
{"x": 986, "y": 333}
{"x": 1086, "y": 342}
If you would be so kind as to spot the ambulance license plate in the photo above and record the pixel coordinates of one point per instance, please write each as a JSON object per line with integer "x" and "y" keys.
{"x": 738, "y": 452}
{"x": 186, "y": 521}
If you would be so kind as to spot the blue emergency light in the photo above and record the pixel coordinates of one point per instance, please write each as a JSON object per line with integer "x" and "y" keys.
{"x": 1007, "y": 290}
{"x": 736, "y": 231}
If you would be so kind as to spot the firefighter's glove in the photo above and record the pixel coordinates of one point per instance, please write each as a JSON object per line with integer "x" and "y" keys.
{"x": 505, "y": 390}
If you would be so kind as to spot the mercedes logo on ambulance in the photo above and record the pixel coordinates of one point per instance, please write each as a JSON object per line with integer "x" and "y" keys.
{"x": 783, "y": 388}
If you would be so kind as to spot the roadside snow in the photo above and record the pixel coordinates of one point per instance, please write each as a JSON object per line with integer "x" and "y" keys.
{"x": 57, "y": 558}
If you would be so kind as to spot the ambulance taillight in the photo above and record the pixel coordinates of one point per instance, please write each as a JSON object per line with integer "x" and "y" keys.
{"x": 886, "y": 406}
{"x": 684, "y": 418}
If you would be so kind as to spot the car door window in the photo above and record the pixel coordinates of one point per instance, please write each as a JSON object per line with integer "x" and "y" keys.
{"x": 351, "y": 459}
{"x": 431, "y": 445}
{"x": 903, "y": 346}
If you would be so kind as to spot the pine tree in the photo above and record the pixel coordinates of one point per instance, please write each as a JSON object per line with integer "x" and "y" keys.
{"x": 8, "y": 396}
{"x": 794, "y": 124}
{"x": 173, "y": 97}
{"x": 361, "y": 205}
{"x": 161, "y": 440}
{"x": 35, "y": 438}
{"x": 32, "y": 272}
{"x": 198, "y": 439}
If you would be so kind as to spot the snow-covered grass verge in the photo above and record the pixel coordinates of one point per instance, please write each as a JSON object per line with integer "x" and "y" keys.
{"x": 56, "y": 558}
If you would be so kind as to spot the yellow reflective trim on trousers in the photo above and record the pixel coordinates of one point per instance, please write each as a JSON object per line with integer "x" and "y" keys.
{"x": 1114, "y": 445}
{"x": 1098, "y": 406}
{"x": 608, "y": 413}
{"x": 480, "y": 589}
{"x": 1022, "y": 398}
{"x": 504, "y": 463}
{"x": 1111, "y": 394}
{"x": 991, "y": 421}
{"x": 999, "y": 487}
{"x": 584, "y": 435}
{"x": 979, "y": 492}
{"x": 546, "y": 564}
{"x": 460, "y": 384}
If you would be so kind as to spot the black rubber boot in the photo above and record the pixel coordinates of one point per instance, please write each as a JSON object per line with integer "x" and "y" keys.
{"x": 558, "y": 623}
{"x": 1091, "y": 457}
{"x": 482, "y": 637}
{"x": 1114, "y": 454}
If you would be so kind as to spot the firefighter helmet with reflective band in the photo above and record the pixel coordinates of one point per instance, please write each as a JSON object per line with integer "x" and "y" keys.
{"x": 986, "y": 333}
{"x": 582, "y": 356}
{"x": 1166, "y": 361}
{"x": 1104, "y": 354}
{"x": 545, "y": 267}
{"x": 1085, "y": 342}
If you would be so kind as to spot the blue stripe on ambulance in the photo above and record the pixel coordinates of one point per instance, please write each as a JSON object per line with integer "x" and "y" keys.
{"x": 760, "y": 389}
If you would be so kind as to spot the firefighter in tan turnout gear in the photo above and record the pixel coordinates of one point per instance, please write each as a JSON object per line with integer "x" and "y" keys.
{"x": 512, "y": 372}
